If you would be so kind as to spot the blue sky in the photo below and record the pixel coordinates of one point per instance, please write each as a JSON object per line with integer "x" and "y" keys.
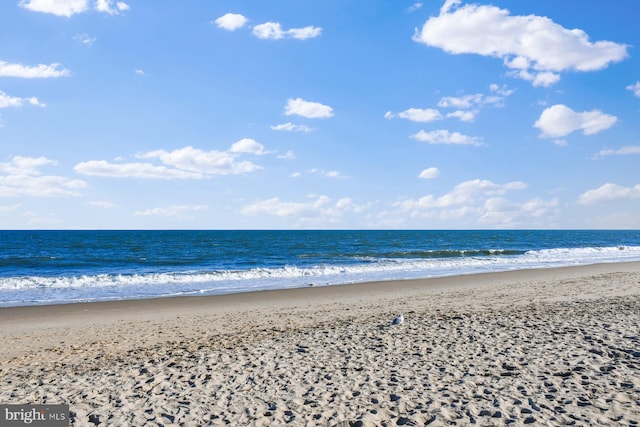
{"x": 336, "y": 114}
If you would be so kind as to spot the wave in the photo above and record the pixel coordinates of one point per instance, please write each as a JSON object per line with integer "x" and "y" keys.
{"x": 412, "y": 265}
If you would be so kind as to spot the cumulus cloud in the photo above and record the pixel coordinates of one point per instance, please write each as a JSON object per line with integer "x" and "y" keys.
{"x": 24, "y": 178}
{"x": 429, "y": 173}
{"x": 290, "y": 127}
{"x": 416, "y": 115}
{"x": 463, "y": 116}
{"x": 111, "y": 7}
{"x": 7, "y": 101}
{"x": 479, "y": 203}
{"x": 277, "y": 207}
{"x": 32, "y": 72}
{"x": 635, "y": 88}
{"x": 212, "y": 162}
{"x": 467, "y": 106}
{"x": 609, "y": 192}
{"x": 308, "y": 109}
{"x": 184, "y": 163}
{"x": 25, "y": 165}
{"x": 560, "y": 120}
{"x": 248, "y": 145}
{"x": 534, "y": 48}
{"x": 56, "y": 7}
{"x": 317, "y": 209}
{"x": 445, "y": 137}
{"x": 231, "y": 21}
{"x": 68, "y": 8}
{"x": 274, "y": 31}
{"x": 463, "y": 194}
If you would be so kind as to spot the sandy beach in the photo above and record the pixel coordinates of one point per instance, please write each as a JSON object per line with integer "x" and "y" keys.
{"x": 540, "y": 347}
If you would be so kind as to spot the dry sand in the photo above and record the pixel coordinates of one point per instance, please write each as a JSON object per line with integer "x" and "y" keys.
{"x": 540, "y": 347}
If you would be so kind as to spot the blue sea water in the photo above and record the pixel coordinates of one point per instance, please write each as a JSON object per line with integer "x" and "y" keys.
{"x": 48, "y": 267}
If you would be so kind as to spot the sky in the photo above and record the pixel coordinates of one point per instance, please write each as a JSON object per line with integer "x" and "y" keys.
{"x": 333, "y": 114}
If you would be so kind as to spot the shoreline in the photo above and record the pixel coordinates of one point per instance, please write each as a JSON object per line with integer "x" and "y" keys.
{"x": 79, "y": 317}
{"x": 327, "y": 355}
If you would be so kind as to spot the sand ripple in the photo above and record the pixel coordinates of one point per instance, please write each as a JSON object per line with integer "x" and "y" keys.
{"x": 554, "y": 363}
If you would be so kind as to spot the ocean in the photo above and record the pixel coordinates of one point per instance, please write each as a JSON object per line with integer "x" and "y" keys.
{"x": 52, "y": 267}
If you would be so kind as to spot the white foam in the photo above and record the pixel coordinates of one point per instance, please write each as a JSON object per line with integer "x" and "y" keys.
{"x": 35, "y": 289}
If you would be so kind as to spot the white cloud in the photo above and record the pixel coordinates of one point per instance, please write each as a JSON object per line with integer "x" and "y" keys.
{"x": 319, "y": 209}
{"x": 466, "y": 101}
{"x": 327, "y": 173}
{"x": 172, "y": 211}
{"x": 212, "y": 162}
{"x": 464, "y": 193}
{"x": 32, "y": 72}
{"x": 275, "y": 206}
{"x": 476, "y": 99}
{"x": 268, "y": 30}
{"x": 56, "y": 7}
{"x": 560, "y": 120}
{"x": 231, "y": 21}
{"x": 12, "y": 101}
{"x": 479, "y": 203}
{"x": 111, "y": 7}
{"x": 609, "y": 192}
{"x": 463, "y": 116}
{"x": 25, "y": 179}
{"x": 290, "y": 127}
{"x": 139, "y": 71}
{"x": 71, "y": 7}
{"x": 288, "y": 155}
{"x": 445, "y": 137}
{"x": 414, "y": 7}
{"x": 304, "y": 33}
{"x": 84, "y": 39}
{"x": 274, "y": 31}
{"x": 183, "y": 163}
{"x": 310, "y": 110}
{"x": 248, "y": 145}
{"x": 542, "y": 78}
{"x": 25, "y": 165}
{"x": 630, "y": 149}
{"x": 448, "y": 4}
{"x": 560, "y": 142}
{"x": 467, "y": 105}
{"x": 533, "y": 47}
{"x": 416, "y": 115}
{"x": 429, "y": 173}
{"x": 635, "y": 88}
{"x": 132, "y": 170}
